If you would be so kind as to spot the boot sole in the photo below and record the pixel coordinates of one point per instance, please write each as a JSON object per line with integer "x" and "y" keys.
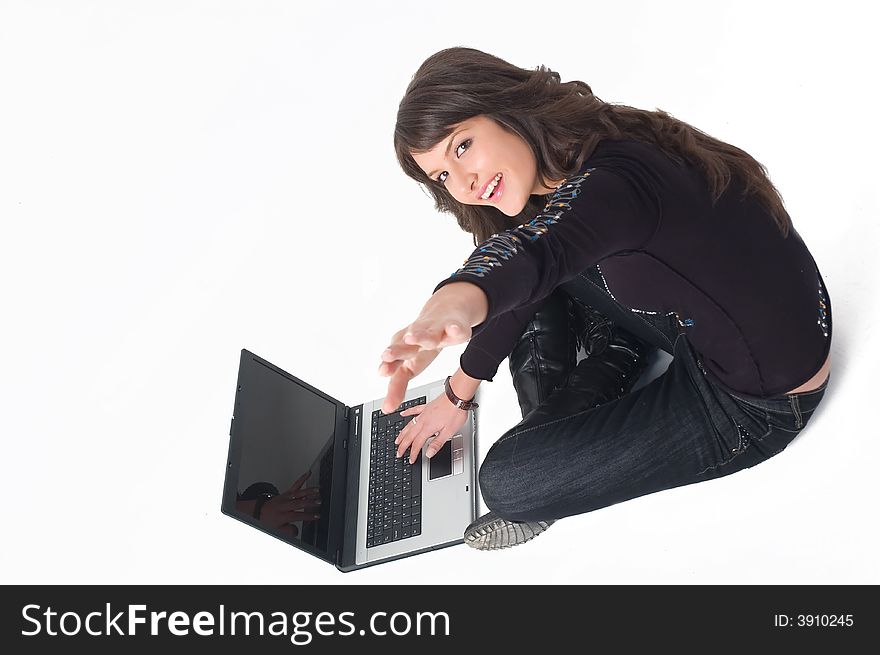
{"x": 500, "y": 533}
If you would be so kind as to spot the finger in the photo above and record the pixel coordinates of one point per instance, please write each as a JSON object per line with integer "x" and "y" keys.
{"x": 411, "y": 430}
{"x": 437, "y": 443}
{"x": 396, "y": 391}
{"x": 389, "y": 368}
{"x": 394, "y": 356}
{"x": 397, "y": 342}
{"x": 418, "y": 443}
{"x": 454, "y": 334}
{"x": 424, "y": 338}
{"x": 406, "y": 435}
{"x": 302, "y": 498}
{"x": 299, "y": 482}
{"x": 425, "y": 333}
{"x": 404, "y": 439}
{"x": 311, "y": 492}
{"x": 431, "y": 337}
{"x": 301, "y": 505}
{"x": 413, "y": 436}
{"x": 399, "y": 351}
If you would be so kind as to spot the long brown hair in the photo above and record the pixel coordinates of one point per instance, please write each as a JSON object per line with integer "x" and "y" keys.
{"x": 561, "y": 121}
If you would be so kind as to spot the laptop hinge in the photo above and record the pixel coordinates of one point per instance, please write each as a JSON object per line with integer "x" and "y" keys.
{"x": 346, "y": 549}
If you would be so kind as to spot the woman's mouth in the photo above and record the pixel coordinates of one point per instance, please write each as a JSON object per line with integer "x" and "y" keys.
{"x": 494, "y": 189}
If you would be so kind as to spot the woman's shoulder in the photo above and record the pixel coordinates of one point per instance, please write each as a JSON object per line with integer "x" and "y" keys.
{"x": 620, "y": 156}
{"x": 643, "y": 163}
{"x": 625, "y": 147}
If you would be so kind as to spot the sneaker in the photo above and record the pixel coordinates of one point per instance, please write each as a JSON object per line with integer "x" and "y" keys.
{"x": 491, "y": 532}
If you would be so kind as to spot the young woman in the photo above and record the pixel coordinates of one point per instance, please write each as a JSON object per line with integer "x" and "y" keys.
{"x": 617, "y": 230}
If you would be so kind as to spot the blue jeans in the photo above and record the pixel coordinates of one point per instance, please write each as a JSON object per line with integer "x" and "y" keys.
{"x": 683, "y": 427}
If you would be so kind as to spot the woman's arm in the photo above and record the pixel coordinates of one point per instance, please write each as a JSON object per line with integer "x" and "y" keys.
{"x": 597, "y": 214}
{"x": 463, "y": 385}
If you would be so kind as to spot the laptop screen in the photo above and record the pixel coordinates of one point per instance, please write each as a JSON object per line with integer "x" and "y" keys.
{"x": 285, "y": 433}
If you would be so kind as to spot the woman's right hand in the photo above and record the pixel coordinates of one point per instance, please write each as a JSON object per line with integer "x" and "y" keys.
{"x": 402, "y": 362}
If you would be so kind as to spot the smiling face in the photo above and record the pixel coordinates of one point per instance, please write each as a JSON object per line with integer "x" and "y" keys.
{"x": 470, "y": 159}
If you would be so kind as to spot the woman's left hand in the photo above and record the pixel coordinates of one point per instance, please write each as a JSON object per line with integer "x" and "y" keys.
{"x": 439, "y": 417}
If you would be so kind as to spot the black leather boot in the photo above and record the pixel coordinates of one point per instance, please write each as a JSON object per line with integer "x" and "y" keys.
{"x": 546, "y": 353}
{"x": 615, "y": 360}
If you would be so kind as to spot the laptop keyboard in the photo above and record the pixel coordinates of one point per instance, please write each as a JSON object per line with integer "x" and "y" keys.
{"x": 394, "y": 506}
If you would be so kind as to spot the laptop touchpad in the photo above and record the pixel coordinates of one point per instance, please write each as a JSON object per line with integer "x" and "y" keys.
{"x": 447, "y": 460}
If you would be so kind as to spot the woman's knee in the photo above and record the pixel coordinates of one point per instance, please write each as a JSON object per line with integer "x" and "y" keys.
{"x": 505, "y": 488}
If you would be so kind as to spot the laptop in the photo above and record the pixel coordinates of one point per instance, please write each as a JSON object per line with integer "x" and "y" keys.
{"x": 291, "y": 444}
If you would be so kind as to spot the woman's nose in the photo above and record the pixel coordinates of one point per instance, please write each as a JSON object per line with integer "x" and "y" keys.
{"x": 467, "y": 188}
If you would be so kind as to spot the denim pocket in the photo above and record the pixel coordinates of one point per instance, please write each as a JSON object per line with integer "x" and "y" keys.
{"x": 804, "y": 404}
{"x": 796, "y": 411}
{"x": 725, "y": 435}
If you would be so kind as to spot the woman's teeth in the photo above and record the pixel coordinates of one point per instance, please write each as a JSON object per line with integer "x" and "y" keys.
{"x": 491, "y": 187}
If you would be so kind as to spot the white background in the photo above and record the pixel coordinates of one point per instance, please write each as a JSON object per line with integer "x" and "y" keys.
{"x": 180, "y": 180}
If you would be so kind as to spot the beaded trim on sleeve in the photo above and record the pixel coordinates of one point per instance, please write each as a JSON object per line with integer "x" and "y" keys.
{"x": 498, "y": 248}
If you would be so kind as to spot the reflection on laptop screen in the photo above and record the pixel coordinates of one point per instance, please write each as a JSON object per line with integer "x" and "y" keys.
{"x": 287, "y": 433}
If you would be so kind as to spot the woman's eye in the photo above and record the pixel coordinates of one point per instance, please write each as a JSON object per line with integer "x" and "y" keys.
{"x": 464, "y": 143}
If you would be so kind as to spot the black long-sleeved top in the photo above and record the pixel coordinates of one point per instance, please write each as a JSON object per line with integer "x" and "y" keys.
{"x": 752, "y": 300}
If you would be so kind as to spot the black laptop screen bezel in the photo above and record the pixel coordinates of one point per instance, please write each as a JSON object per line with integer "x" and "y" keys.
{"x": 336, "y": 520}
